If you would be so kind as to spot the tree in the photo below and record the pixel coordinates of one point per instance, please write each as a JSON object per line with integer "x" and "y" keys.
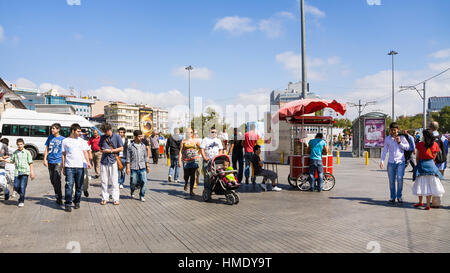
{"x": 444, "y": 119}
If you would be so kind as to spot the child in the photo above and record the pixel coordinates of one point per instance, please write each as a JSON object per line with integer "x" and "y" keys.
{"x": 231, "y": 179}
{"x": 24, "y": 168}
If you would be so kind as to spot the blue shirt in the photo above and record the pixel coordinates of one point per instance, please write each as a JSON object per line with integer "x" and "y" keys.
{"x": 116, "y": 142}
{"x": 411, "y": 141}
{"x": 317, "y": 146}
{"x": 54, "y": 145}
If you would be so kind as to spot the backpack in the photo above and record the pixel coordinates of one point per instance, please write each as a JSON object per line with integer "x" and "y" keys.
{"x": 409, "y": 152}
{"x": 441, "y": 157}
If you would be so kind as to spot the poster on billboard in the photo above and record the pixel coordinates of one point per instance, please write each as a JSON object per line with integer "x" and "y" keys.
{"x": 146, "y": 121}
{"x": 374, "y": 133}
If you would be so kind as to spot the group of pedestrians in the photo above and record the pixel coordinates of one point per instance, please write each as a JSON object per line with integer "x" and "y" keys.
{"x": 428, "y": 169}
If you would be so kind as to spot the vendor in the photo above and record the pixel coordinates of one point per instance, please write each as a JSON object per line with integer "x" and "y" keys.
{"x": 317, "y": 147}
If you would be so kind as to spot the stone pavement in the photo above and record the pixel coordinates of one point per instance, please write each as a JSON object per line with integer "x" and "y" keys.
{"x": 353, "y": 217}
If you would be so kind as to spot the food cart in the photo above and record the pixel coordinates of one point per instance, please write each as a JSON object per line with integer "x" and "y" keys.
{"x": 295, "y": 113}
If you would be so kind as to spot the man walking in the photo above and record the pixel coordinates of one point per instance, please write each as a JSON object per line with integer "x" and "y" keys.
{"x": 210, "y": 147}
{"x": 122, "y": 156}
{"x": 410, "y": 154}
{"x": 96, "y": 153}
{"x": 250, "y": 140}
{"x": 75, "y": 154}
{"x": 316, "y": 148}
{"x": 53, "y": 160}
{"x": 172, "y": 151}
{"x": 110, "y": 145}
{"x": 442, "y": 141}
{"x": 137, "y": 165}
{"x": 396, "y": 146}
{"x": 237, "y": 153}
{"x": 154, "y": 143}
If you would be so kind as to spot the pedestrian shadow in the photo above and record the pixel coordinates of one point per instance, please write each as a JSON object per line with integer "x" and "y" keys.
{"x": 46, "y": 201}
{"x": 382, "y": 203}
{"x": 220, "y": 199}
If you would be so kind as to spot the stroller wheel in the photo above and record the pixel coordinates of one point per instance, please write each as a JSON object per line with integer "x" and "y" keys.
{"x": 230, "y": 199}
{"x": 236, "y": 198}
{"x": 206, "y": 195}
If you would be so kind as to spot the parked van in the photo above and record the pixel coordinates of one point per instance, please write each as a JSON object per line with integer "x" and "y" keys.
{"x": 34, "y": 128}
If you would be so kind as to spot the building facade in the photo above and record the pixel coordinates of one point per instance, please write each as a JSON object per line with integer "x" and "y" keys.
{"x": 8, "y": 99}
{"x": 123, "y": 115}
{"x": 161, "y": 120}
{"x": 31, "y": 97}
{"x": 435, "y": 104}
{"x": 293, "y": 92}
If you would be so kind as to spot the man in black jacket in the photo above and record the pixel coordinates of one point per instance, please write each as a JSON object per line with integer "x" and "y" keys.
{"x": 172, "y": 151}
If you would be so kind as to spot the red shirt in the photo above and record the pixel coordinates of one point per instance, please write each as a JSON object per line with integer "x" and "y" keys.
{"x": 94, "y": 143}
{"x": 427, "y": 153}
{"x": 250, "y": 140}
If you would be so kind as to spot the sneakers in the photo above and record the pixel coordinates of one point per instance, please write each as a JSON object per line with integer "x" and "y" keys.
{"x": 177, "y": 181}
{"x": 77, "y": 205}
{"x": 276, "y": 188}
{"x": 263, "y": 186}
{"x": 169, "y": 178}
{"x": 400, "y": 200}
{"x": 21, "y": 205}
{"x": 86, "y": 193}
{"x": 392, "y": 201}
{"x": 142, "y": 199}
{"x": 418, "y": 205}
{"x": 68, "y": 209}
{"x": 59, "y": 202}
{"x": 121, "y": 187}
{"x": 132, "y": 195}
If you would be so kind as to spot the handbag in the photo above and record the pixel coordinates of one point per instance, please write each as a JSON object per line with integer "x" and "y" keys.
{"x": 119, "y": 162}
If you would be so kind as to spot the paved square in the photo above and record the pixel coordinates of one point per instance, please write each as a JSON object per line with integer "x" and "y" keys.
{"x": 353, "y": 217}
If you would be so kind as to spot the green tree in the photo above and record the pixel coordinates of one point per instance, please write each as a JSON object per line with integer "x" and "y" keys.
{"x": 444, "y": 119}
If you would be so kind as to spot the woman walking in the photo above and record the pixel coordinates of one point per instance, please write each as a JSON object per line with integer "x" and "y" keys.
{"x": 426, "y": 175}
{"x": 189, "y": 156}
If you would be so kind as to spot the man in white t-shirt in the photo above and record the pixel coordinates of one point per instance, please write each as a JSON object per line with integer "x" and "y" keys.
{"x": 75, "y": 155}
{"x": 211, "y": 147}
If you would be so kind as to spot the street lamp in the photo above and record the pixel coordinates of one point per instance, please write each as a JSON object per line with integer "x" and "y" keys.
{"x": 424, "y": 99}
{"x": 189, "y": 68}
{"x": 304, "y": 76}
{"x": 393, "y": 53}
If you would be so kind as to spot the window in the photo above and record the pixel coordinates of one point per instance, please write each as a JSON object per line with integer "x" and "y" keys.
{"x": 65, "y": 131}
{"x": 16, "y": 130}
{"x": 40, "y": 131}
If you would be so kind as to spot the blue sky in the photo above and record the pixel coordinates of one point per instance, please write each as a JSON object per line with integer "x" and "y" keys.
{"x": 241, "y": 49}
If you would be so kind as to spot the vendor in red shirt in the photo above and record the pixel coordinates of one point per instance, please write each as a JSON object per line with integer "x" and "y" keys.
{"x": 97, "y": 154}
{"x": 250, "y": 140}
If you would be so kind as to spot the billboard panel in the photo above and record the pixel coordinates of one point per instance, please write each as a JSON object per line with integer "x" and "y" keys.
{"x": 374, "y": 132}
{"x": 146, "y": 121}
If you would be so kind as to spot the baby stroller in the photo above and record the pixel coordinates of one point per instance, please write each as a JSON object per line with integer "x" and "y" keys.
{"x": 218, "y": 183}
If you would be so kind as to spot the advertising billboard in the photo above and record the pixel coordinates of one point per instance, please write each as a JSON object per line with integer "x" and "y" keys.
{"x": 374, "y": 132}
{"x": 146, "y": 121}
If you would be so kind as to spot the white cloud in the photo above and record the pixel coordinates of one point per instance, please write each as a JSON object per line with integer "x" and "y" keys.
{"x": 200, "y": 73}
{"x": 374, "y": 2}
{"x": 51, "y": 86}
{"x": 77, "y": 36}
{"x": 314, "y": 11}
{"x": 2, "y": 33}
{"x": 235, "y": 25}
{"x": 439, "y": 66}
{"x": 73, "y": 2}
{"x": 317, "y": 68}
{"x": 273, "y": 26}
{"x": 441, "y": 54}
{"x": 25, "y": 83}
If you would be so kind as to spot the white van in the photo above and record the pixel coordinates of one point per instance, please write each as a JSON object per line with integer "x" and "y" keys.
{"x": 34, "y": 128}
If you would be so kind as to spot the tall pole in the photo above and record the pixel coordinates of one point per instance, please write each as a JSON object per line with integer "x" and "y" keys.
{"x": 189, "y": 68}
{"x": 393, "y": 53}
{"x": 304, "y": 78}
{"x": 359, "y": 128}
{"x": 424, "y": 106}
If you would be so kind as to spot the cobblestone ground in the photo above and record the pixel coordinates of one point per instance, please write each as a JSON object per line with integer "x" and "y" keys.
{"x": 353, "y": 217}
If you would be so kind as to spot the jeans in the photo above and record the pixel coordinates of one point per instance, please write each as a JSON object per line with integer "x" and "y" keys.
{"x": 54, "y": 171}
{"x": 174, "y": 167}
{"x": 313, "y": 166}
{"x": 20, "y": 186}
{"x": 122, "y": 173}
{"x": 396, "y": 171}
{"x": 139, "y": 176}
{"x": 238, "y": 157}
{"x": 248, "y": 157}
{"x": 74, "y": 176}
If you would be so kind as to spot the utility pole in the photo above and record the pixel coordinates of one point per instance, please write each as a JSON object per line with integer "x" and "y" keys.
{"x": 393, "y": 53}
{"x": 361, "y": 108}
{"x": 189, "y": 68}
{"x": 304, "y": 78}
{"x": 424, "y": 99}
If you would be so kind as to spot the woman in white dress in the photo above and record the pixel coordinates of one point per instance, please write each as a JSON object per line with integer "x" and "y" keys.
{"x": 426, "y": 175}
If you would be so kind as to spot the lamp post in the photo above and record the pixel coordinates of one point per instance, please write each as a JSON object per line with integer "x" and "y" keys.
{"x": 393, "y": 53}
{"x": 189, "y": 68}
{"x": 304, "y": 78}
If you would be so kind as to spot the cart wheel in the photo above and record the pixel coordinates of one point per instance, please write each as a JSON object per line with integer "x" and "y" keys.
{"x": 328, "y": 181}
{"x": 303, "y": 183}
{"x": 236, "y": 198}
{"x": 292, "y": 182}
{"x": 206, "y": 195}
{"x": 230, "y": 199}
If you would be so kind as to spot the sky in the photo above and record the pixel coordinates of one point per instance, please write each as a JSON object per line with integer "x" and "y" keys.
{"x": 135, "y": 51}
